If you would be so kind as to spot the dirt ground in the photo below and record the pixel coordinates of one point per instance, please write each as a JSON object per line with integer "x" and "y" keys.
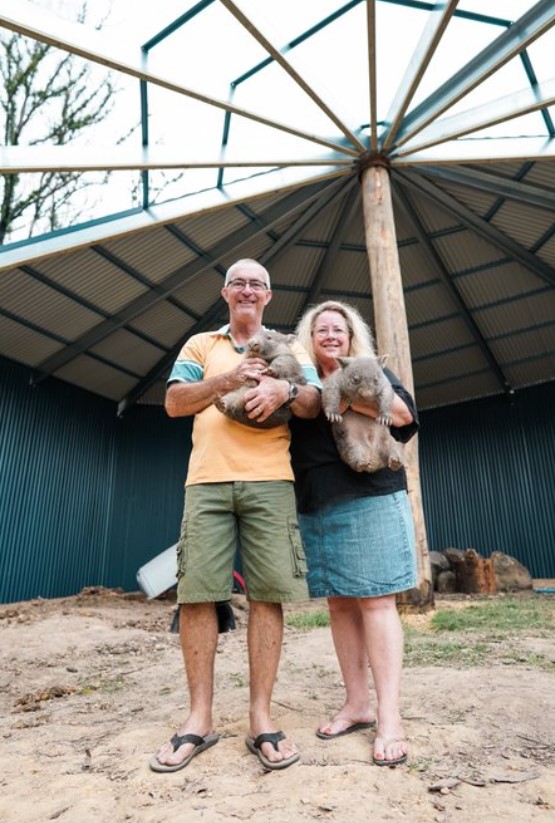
{"x": 90, "y": 686}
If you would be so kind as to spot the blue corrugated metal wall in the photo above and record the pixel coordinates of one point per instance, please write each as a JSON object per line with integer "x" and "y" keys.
{"x": 86, "y": 499}
{"x": 152, "y": 456}
{"x": 56, "y": 459}
{"x": 488, "y": 477}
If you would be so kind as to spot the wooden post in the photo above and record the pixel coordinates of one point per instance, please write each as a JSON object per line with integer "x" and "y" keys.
{"x": 392, "y": 338}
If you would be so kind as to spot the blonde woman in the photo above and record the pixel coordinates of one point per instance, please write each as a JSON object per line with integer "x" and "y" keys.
{"x": 359, "y": 540}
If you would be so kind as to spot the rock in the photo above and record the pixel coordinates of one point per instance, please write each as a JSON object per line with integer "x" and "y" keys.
{"x": 510, "y": 574}
{"x": 438, "y": 563}
{"x": 454, "y": 557}
{"x": 446, "y": 582}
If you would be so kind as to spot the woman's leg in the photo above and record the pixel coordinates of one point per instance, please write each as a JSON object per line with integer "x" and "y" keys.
{"x": 384, "y": 644}
{"x": 349, "y": 641}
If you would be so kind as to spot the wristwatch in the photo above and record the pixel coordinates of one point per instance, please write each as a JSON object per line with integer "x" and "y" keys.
{"x": 293, "y": 393}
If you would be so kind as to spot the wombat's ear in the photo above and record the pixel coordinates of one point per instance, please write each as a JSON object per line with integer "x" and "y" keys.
{"x": 344, "y": 361}
{"x": 382, "y": 360}
{"x": 290, "y": 338}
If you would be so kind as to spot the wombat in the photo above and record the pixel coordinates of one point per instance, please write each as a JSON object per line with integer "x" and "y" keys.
{"x": 274, "y": 348}
{"x": 365, "y": 444}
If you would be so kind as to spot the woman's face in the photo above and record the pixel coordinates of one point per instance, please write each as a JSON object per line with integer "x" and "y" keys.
{"x": 330, "y": 337}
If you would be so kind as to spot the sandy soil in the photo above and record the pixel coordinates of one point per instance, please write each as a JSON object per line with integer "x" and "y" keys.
{"x": 90, "y": 686}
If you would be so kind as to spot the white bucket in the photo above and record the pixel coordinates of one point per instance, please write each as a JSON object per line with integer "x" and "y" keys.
{"x": 159, "y": 574}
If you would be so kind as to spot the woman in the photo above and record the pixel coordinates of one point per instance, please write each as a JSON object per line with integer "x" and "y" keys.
{"x": 359, "y": 539}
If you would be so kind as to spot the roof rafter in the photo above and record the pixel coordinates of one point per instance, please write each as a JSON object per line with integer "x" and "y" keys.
{"x": 437, "y": 22}
{"x": 344, "y": 219}
{"x": 481, "y": 150}
{"x": 15, "y": 159}
{"x": 403, "y": 200}
{"x": 279, "y": 58}
{"x": 279, "y": 246}
{"x": 372, "y": 73}
{"x": 495, "y": 184}
{"x": 507, "y": 45}
{"x": 486, "y": 230}
{"x": 289, "y": 205}
{"x": 26, "y": 18}
{"x": 472, "y": 120}
{"x": 139, "y": 219}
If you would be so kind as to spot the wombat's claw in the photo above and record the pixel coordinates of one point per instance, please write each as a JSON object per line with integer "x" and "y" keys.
{"x": 384, "y": 419}
{"x": 334, "y": 417}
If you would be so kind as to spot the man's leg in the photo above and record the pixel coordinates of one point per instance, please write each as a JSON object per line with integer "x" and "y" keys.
{"x": 349, "y": 641}
{"x": 198, "y": 630}
{"x": 264, "y": 636}
{"x": 384, "y": 635}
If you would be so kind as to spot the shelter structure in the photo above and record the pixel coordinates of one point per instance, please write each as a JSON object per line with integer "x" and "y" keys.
{"x": 397, "y": 154}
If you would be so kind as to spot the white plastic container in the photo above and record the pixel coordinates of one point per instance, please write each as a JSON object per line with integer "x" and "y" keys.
{"x": 159, "y": 574}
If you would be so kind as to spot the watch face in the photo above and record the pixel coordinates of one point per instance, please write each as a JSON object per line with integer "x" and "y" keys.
{"x": 293, "y": 391}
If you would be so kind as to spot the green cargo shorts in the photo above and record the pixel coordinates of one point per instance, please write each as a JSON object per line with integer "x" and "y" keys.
{"x": 260, "y": 518}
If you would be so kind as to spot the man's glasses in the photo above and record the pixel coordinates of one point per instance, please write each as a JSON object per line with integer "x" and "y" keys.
{"x": 239, "y": 285}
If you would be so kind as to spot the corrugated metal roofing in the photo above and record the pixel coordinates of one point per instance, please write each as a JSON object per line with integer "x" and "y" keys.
{"x": 108, "y": 305}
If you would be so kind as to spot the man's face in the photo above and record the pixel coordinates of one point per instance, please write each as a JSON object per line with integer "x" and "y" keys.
{"x": 246, "y": 293}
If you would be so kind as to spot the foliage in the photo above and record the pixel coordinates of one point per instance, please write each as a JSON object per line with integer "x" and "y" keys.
{"x": 307, "y": 621}
{"x": 47, "y": 98}
{"x": 492, "y": 631}
{"x": 503, "y": 615}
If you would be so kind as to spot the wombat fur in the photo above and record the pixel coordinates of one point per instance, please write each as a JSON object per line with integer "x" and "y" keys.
{"x": 274, "y": 348}
{"x": 365, "y": 444}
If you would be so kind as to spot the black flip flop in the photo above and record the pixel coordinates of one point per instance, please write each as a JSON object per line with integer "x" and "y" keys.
{"x": 200, "y": 743}
{"x": 254, "y": 744}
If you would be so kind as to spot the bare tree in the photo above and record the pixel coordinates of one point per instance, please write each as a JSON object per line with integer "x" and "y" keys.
{"x": 46, "y": 98}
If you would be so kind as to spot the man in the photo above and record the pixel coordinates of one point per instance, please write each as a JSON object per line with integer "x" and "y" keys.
{"x": 239, "y": 481}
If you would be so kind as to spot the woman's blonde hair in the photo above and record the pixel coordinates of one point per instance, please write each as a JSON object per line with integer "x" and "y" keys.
{"x": 361, "y": 343}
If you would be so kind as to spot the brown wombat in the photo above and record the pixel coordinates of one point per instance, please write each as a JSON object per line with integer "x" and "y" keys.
{"x": 365, "y": 444}
{"x": 274, "y": 348}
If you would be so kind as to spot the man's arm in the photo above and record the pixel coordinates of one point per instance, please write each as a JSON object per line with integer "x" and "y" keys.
{"x": 307, "y": 403}
{"x": 184, "y": 399}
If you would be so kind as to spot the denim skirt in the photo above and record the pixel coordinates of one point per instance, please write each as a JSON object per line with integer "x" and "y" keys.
{"x": 360, "y": 548}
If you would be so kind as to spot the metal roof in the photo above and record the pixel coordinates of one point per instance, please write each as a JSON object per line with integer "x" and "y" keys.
{"x": 271, "y": 113}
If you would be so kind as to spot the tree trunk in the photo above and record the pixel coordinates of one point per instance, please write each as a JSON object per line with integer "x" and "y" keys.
{"x": 392, "y": 337}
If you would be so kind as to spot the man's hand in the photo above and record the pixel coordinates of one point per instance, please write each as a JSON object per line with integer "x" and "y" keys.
{"x": 252, "y": 368}
{"x": 262, "y": 400}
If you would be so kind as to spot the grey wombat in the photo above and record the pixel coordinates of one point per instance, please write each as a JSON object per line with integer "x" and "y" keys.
{"x": 274, "y": 348}
{"x": 366, "y": 445}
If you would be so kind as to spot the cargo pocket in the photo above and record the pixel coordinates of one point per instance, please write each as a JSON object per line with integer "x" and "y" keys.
{"x": 297, "y": 552}
{"x": 182, "y": 551}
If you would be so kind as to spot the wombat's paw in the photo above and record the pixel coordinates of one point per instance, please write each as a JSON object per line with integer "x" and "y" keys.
{"x": 334, "y": 417}
{"x": 360, "y": 466}
{"x": 395, "y": 462}
{"x": 384, "y": 419}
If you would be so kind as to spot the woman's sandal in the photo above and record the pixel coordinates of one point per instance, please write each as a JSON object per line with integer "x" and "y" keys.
{"x": 396, "y": 761}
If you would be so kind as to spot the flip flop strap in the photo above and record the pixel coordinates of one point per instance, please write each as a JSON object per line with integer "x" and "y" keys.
{"x": 269, "y": 737}
{"x": 180, "y": 740}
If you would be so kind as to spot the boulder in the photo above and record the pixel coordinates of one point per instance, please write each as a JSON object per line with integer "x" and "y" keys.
{"x": 438, "y": 564}
{"x": 510, "y": 574}
{"x": 446, "y": 582}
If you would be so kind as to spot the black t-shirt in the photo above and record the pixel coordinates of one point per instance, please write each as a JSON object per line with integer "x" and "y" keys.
{"x": 321, "y": 477}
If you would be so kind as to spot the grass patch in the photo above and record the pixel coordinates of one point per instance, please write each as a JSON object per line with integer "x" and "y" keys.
{"x": 483, "y": 633}
{"x": 308, "y": 621}
{"x": 422, "y": 650}
{"x": 508, "y": 615}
